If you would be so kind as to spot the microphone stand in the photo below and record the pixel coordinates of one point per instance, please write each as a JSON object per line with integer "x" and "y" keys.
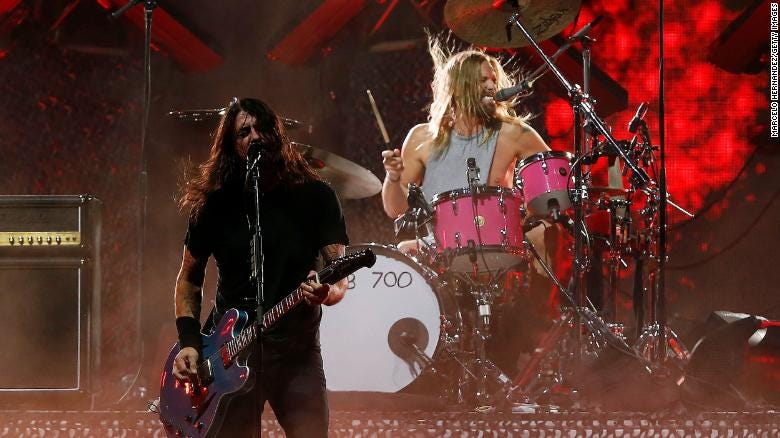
{"x": 257, "y": 274}
{"x": 149, "y": 6}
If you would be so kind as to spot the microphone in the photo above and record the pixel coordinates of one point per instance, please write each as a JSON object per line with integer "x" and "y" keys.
{"x": 416, "y": 199}
{"x": 472, "y": 173}
{"x": 585, "y": 29}
{"x": 255, "y": 153}
{"x": 508, "y": 93}
{"x": 633, "y": 125}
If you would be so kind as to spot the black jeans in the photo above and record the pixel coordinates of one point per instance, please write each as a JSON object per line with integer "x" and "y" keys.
{"x": 293, "y": 383}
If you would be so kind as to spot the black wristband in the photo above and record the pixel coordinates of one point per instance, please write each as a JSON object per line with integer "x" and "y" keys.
{"x": 189, "y": 332}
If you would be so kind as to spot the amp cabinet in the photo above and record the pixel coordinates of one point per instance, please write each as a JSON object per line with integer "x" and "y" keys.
{"x": 49, "y": 300}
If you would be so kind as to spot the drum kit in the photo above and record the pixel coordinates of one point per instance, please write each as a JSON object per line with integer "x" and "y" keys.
{"x": 431, "y": 315}
{"x": 426, "y": 319}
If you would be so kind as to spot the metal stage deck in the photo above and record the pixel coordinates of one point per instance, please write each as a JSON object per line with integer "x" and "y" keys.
{"x": 422, "y": 424}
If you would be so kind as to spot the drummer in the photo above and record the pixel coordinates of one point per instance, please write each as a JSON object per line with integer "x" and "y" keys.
{"x": 465, "y": 122}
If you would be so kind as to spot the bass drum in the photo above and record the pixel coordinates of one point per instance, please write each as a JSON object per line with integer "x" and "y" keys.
{"x": 370, "y": 339}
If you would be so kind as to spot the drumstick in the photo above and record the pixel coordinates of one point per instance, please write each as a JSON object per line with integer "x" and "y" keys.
{"x": 378, "y": 118}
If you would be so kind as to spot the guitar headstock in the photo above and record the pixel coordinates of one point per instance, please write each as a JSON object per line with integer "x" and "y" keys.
{"x": 364, "y": 258}
{"x": 345, "y": 265}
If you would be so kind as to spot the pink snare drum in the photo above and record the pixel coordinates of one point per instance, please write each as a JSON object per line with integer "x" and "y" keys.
{"x": 543, "y": 178}
{"x": 496, "y": 229}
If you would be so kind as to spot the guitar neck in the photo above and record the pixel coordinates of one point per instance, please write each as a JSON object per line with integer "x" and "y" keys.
{"x": 248, "y": 335}
{"x": 330, "y": 274}
{"x": 270, "y": 317}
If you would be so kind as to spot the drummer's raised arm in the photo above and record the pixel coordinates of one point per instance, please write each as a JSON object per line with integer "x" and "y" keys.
{"x": 403, "y": 167}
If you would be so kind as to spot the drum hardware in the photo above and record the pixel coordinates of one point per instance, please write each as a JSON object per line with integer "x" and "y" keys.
{"x": 473, "y": 178}
{"x": 417, "y": 220}
{"x": 650, "y": 334}
{"x": 583, "y": 111}
{"x": 582, "y": 319}
{"x": 490, "y": 384}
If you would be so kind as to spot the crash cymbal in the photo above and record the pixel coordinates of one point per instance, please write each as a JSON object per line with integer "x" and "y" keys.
{"x": 483, "y": 22}
{"x": 350, "y": 180}
{"x": 214, "y": 114}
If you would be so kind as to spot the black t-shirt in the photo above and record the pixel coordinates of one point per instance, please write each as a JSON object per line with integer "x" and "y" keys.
{"x": 296, "y": 222}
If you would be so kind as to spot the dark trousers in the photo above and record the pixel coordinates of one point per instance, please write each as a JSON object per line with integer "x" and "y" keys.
{"x": 293, "y": 383}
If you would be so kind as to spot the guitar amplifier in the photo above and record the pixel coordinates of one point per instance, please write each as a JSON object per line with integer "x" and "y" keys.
{"x": 49, "y": 300}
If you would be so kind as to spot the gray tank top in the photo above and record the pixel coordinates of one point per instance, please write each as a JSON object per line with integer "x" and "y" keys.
{"x": 446, "y": 169}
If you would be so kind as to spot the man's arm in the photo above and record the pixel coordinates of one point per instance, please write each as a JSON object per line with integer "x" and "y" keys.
{"x": 189, "y": 286}
{"x": 339, "y": 288}
{"x": 402, "y": 167}
{"x": 187, "y": 302}
{"x": 315, "y": 293}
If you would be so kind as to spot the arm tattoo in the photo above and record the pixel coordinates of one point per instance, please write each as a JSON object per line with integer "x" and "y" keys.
{"x": 332, "y": 252}
{"x": 192, "y": 301}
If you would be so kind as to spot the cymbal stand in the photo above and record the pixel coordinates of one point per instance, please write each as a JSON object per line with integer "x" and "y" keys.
{"x": 655, "y": 343}
{"x": 583, "y": 110}
{"x": 619, "y": 232}
{"x": 554, "y": 359}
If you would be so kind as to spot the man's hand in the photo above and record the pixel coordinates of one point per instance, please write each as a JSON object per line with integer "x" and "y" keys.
{"x": 185, "y": 364}
{"x": 314, "y": 293}
{"x": 394, "y": 164}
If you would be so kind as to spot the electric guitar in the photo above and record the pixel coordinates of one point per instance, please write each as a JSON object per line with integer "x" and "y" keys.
{"x": 196, "y": 408}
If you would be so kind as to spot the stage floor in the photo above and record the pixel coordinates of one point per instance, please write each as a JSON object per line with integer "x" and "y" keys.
{"x": 421, "y": 424}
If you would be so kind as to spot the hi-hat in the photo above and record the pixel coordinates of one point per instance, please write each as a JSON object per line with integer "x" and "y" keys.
{"x": 606, "y": 191}
{"x": 483, "y": 22}
{"x": 214, "y": 114}
{"x": 348, "y": 179}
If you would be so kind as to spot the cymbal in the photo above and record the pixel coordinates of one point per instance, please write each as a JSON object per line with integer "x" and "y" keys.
{"x": 607, "y": 191}
{"x": 350, "y": 180}
{"x": 214, "y": 114}
{"x": 483, "y": 22}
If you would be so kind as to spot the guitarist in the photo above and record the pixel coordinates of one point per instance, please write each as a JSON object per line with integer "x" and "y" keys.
{"x": 301, "y": 219}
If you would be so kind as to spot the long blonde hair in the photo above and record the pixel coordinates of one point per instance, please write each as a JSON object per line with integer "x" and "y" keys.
{"x": 456, "y": 87}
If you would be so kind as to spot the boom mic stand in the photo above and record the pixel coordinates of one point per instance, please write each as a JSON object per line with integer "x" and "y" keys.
{"x": 149, "y": 6}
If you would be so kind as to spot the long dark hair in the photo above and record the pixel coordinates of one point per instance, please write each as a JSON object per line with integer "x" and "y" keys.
{"x": 225, "y": 164}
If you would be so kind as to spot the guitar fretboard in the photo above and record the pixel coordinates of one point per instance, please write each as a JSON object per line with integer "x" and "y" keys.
{"x": 234, "y": 347}
{"x": 282, "y": 307}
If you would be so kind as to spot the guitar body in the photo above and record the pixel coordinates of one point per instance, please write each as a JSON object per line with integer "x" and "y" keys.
{"x": 191, "y": 410}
